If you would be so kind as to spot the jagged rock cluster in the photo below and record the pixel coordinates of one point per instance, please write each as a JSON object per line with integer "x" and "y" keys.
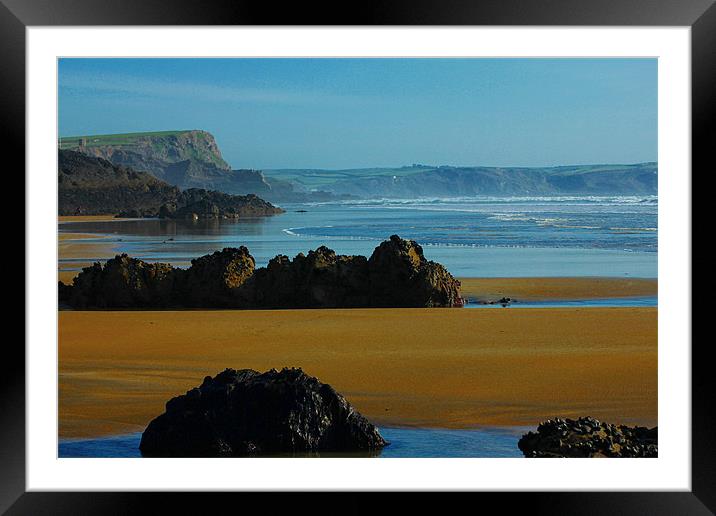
{"x": 396, "y": 275}
{"x": 244, "y": 412}
{"x": 588, "y": 437}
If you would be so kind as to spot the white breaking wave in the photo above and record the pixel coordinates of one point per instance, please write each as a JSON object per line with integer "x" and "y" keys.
{"x": 634, "y": 229}
{"x": 489, "y": 203}
{"x": 522, "y": 217}
{"x": 569, "y": 226}
{"x": 563, "y": 199}
{"x": 510, "y": 217}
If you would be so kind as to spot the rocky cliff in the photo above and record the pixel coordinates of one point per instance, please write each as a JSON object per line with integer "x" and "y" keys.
{"x": 92, "y": 186}
{"x": 188, "y": 159}
{"x": 181, "y": 158}
{"x": 396, "y": 275}
{"x": 245, "y": 413}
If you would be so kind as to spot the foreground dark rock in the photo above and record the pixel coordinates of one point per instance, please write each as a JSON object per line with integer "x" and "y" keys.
{"x": 396, "y": 275}
{"x": 588, "y": 437}
{"x": 244, "y": 412}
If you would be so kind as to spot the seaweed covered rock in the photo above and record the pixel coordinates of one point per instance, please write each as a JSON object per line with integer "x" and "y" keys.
{"x": 588, "y": 437}
{"x": 123, "y": 282}
{"x": 244, "y": 412}
{"x": 400, "y": 275}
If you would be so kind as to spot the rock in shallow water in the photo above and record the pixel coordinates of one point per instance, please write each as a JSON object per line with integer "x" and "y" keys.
{"x": 244, "y": 412}
{"x": 589, "y": 437}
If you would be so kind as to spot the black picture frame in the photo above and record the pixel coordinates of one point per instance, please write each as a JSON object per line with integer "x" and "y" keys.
{"x": 700, "y": 15}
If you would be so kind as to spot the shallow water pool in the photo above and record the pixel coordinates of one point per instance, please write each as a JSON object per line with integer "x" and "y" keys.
{"x": 404, "y": 442}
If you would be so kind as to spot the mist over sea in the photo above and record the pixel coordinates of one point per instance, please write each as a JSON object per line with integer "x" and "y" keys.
{"x": 472, "y": 237}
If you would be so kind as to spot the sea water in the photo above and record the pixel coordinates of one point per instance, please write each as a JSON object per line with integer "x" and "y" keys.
{"x": 404, "y": 442}
{"x": 472, "y": 237}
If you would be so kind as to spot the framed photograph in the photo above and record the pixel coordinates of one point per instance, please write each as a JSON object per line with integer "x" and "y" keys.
{"x": 423, "y": 249}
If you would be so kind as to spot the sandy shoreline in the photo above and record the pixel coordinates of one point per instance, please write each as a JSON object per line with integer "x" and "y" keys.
{"x": 83, "y": 246}
{"x": 416, "y": 367}
{"x": 537, "y": 289}
{"x": 87, "y": 246}
{"x": 85, "y": 218}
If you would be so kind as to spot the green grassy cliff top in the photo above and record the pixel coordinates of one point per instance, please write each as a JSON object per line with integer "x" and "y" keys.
{"x": 96, "y": 140}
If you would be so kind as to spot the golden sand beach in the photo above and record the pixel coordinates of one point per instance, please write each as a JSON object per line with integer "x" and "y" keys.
{"x": 444, "y": 368}
{"x": 429, "y": 367}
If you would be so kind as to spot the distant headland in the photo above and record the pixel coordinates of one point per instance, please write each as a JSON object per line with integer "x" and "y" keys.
{"x": 192, "y": 159}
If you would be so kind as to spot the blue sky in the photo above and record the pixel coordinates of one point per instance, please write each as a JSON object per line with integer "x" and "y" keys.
{"x": 351, "y": 113}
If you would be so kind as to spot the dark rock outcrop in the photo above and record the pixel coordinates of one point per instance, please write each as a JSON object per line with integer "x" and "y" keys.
{"x": 196, "y": 203}
{"x": 320, "y": 279}
{"x": 244, "y": 413}
{"x": 123, "y": 282}
{"x": 216, "y": 280}
{"x": 400, "y": 275}
{"x": 94, "y": 186}
{"x": 396, "y": 275}
{"x": 588, "y": 437}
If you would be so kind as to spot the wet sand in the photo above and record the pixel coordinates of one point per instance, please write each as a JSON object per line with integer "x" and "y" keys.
{"x": 447, "y": 368}
{"x": 539, "y": 289}
{"x": 77, "y": 246}
{"x": 85, "y": 218}
{"x": 87, "y": 246}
